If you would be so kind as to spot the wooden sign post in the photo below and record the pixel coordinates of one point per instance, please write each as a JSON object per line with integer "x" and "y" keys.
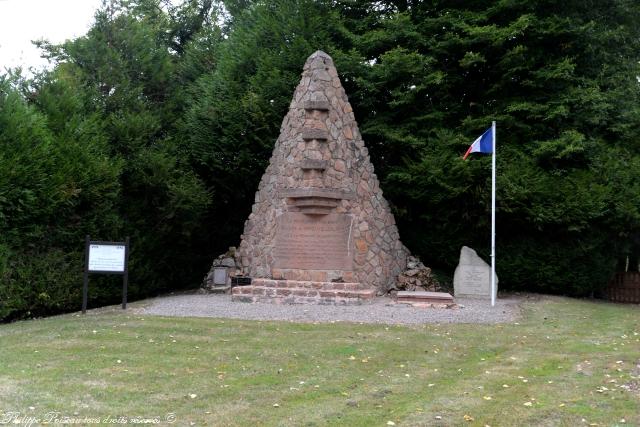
{"x": 105, "y": 258}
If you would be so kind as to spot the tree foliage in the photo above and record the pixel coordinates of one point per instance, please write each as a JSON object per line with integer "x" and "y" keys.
{"x": 159, "y": 122}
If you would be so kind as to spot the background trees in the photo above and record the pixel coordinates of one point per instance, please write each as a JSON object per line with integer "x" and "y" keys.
{"x": 159, "y": 122}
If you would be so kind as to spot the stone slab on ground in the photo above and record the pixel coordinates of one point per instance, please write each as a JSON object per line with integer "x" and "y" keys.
{"x": 424, "y": 297}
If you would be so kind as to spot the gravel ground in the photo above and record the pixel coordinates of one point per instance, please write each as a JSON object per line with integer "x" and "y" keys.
{"x": 382, "y": 310}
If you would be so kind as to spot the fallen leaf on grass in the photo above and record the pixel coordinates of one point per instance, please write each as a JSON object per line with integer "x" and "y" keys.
{"x": 467, "y": 418}
{"x": 193, "y": 395}
{"x": 527, "y": 404}
{"x": 487, "y": 397}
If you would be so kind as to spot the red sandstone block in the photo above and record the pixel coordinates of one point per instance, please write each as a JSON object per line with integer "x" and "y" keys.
{"x": 337, "y": 286}
{"x": 347, "y": 276}
{"x": 312, "y": 293}
{"x": 292, "y": 275}
{"x": 283, "y": 292}
{"x": 277, "y": 273}
{"x": 318, "y": 276}
{"x": 327, "y": 294}
{"x": 300, "y": 292}
{"x": 257, "y": 291}
{"x": 317, "y": 285}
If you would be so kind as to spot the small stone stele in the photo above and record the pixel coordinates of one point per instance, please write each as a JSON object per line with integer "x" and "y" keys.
{"x": 472, "y": 278}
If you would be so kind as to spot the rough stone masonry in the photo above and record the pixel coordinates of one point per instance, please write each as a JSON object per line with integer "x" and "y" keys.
{"x": 319, "y": 221}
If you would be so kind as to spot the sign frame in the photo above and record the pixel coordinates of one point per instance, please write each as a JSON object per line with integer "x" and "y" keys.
{"x": 125, "y": 273}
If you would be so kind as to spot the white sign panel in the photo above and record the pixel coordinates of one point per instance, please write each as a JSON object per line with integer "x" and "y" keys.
{"x": 106, "y": 258}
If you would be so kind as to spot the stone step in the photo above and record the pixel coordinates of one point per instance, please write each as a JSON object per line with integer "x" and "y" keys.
{"x": 308, "y": 210}
{"x": 424, "y": 297}
{"x": 317, "y": 202}
{"x": 286, "y": 295}
{"x": 325, "y": 193}
{"x": 317, "y": 134}
{"x": 316, "y": 105}
{"x": 312, "y": 164}
{"x": 309, "y": 284}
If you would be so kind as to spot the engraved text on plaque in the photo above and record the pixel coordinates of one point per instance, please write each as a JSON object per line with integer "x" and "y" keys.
{"x": 314, "y": 242}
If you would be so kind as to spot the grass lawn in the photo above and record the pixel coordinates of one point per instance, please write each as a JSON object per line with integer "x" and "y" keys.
{"x": 566, "y": 362}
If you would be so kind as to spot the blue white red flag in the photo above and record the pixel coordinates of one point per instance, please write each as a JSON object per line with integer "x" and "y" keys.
{"x": 484, "y": 144}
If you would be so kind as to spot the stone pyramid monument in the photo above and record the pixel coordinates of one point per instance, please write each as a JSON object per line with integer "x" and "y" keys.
{"x": 320, "y": 230}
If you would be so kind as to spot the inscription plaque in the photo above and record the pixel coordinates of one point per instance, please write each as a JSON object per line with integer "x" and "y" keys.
{"x": 314, "y": 242}
{"x": 477, "y": 280}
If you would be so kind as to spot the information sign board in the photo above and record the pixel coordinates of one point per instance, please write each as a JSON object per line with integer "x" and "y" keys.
{"x": 105, "y": 258}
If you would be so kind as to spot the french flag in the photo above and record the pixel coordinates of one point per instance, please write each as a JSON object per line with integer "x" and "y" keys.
{"x": 484, "y": 144}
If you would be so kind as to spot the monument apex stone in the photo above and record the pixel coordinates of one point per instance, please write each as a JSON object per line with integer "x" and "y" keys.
{"x": 319, "y": 213}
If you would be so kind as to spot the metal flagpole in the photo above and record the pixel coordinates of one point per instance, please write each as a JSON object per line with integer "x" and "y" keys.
{"x": 493, "y": 215}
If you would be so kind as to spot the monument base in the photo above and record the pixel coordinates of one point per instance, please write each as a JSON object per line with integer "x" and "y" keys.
{"x": 303, "y": 292}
